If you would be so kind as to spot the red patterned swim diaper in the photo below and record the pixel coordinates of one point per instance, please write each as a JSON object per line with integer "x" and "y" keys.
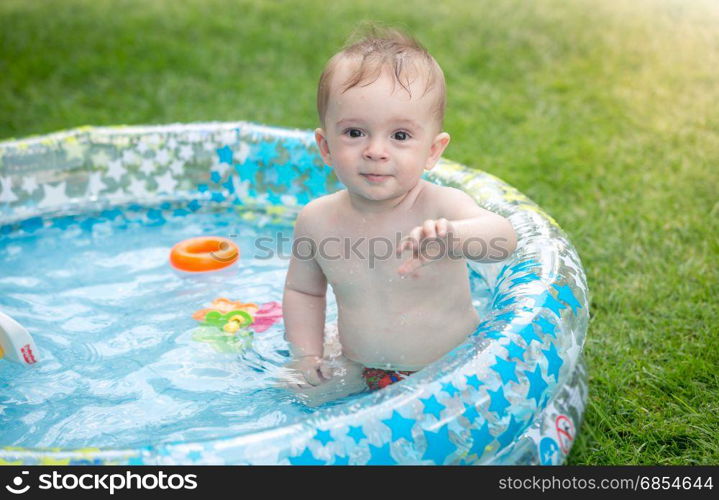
{"x": 376, "y": 378}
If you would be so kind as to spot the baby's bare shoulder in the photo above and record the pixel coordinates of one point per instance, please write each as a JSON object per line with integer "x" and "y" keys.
{"x": 321, "y": 207}
{"x": 434, "y": 194}
{"x": 317, "y": 215}
{"x": 450, "y": 202}
{"x": 443, "y": 193}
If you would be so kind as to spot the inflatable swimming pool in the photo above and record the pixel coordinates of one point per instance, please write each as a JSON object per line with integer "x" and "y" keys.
{"x": 513, "y": 393}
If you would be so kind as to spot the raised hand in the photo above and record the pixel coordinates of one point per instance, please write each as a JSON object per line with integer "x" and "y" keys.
{"x": 420, "y": 242}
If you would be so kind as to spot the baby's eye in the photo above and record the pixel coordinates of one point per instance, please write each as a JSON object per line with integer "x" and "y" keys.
{"x": 401, "y": 135}
{"x": 353, "y": 132}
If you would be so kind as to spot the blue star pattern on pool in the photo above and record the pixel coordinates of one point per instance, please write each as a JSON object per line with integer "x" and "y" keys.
{"x": 514, "y": 351}
{"x": 506, "y": 370}
{"x": 502, "y": 272}
{"x": 356, "y": 433}
{"x": 380, "y": 455}
{"x": 528, "y": 334}
{"x": 480, "y": 439}
{"x": 493, "y": 334}
{"x": 323, "y": 437}
{"x": 229, "y": 185}
{"x": 470, "y": 412}
{"x": 266, "y": 151}
{"x": 473, "y": 381}
{"x": 565, "y": 295}
{"x": 306, "y": 458}
{"x": 546, "y": 299}
{"x": 515, "y": 269}
{"x": 537, "y": 384}
{"x": 528, "y": 278}
{"x": 439, "y": 445}
{"x": 287, "y": 177}
{"x": 499, "y": 403}
{"x": 345, "y": 460}
{"x": 401, "y": 427}
{"x": 316, "y": 181}
{"x": 225, "y": 155}
{"x": 248, "y": 170}
{"x": 524, "y": 266}
{"x": 513, "y": 430}
{"x": 450, "y": 389}
{"x": 506, "y": 316}
{"x": 502, "y": 300}
{"x": 546, "y": 326}
{"x": 504, "y": 303}
{"x": 432, "y": 406}
{"x": 555, "y": 362}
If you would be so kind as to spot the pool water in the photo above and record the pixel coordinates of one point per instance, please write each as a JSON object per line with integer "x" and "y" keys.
{"x": 112, "y": 321}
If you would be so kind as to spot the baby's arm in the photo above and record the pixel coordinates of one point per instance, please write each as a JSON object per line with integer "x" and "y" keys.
{"x": 479, "y": 234}
{"x": 304, "y": 304}
{"x": 470, "y": 231}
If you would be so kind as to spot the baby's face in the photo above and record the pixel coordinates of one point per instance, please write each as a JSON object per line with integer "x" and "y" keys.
{"x": 378, "y": 139}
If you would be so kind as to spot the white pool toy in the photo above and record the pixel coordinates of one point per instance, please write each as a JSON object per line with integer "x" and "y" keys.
{"x": 16, "y": 344}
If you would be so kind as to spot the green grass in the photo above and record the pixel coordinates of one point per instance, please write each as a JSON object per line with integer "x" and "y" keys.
{"x": 605, "y": 113}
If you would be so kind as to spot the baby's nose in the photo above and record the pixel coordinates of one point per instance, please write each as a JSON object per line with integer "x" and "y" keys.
{"x": 375, "y": 151}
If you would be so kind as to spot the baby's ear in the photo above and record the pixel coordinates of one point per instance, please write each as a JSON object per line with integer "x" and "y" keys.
{"x": 439, "y": 144}
{"x": 321, "y": 141}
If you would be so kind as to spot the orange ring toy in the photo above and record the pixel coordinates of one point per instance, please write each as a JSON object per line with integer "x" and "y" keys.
{"x": 204, "y": 253}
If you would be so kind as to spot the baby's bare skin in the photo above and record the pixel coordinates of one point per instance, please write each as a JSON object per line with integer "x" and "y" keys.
{"x": 397, "y": 308}
{"x": 387, "y": 320}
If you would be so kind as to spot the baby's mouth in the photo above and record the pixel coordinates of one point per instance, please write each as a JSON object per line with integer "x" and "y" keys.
{"x": 375, "y": 178}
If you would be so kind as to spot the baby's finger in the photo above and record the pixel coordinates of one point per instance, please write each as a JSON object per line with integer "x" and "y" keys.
{"x": 442, "y": 227}
{"x": 428, "y": 229}
{"x": 415, "y": 236}
{"x": 450, "y": 227}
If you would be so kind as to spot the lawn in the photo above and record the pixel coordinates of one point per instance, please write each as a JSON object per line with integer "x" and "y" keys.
{"x": 604, "y": 112}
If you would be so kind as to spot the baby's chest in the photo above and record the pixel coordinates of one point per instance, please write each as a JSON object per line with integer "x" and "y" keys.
{"x": 370, "y": 271}
{"x": 359, "y": 261}
{"x": 362, "y": 254}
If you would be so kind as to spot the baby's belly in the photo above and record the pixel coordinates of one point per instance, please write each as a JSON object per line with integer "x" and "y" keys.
{"x": 401, "y": 324}
{"x": 408, "y": 341}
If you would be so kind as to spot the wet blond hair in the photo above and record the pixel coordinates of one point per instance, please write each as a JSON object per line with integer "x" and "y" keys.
{"x": 374, "y": 49}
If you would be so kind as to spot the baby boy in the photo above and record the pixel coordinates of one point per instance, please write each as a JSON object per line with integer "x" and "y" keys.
{"x": 381, "y": 104}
